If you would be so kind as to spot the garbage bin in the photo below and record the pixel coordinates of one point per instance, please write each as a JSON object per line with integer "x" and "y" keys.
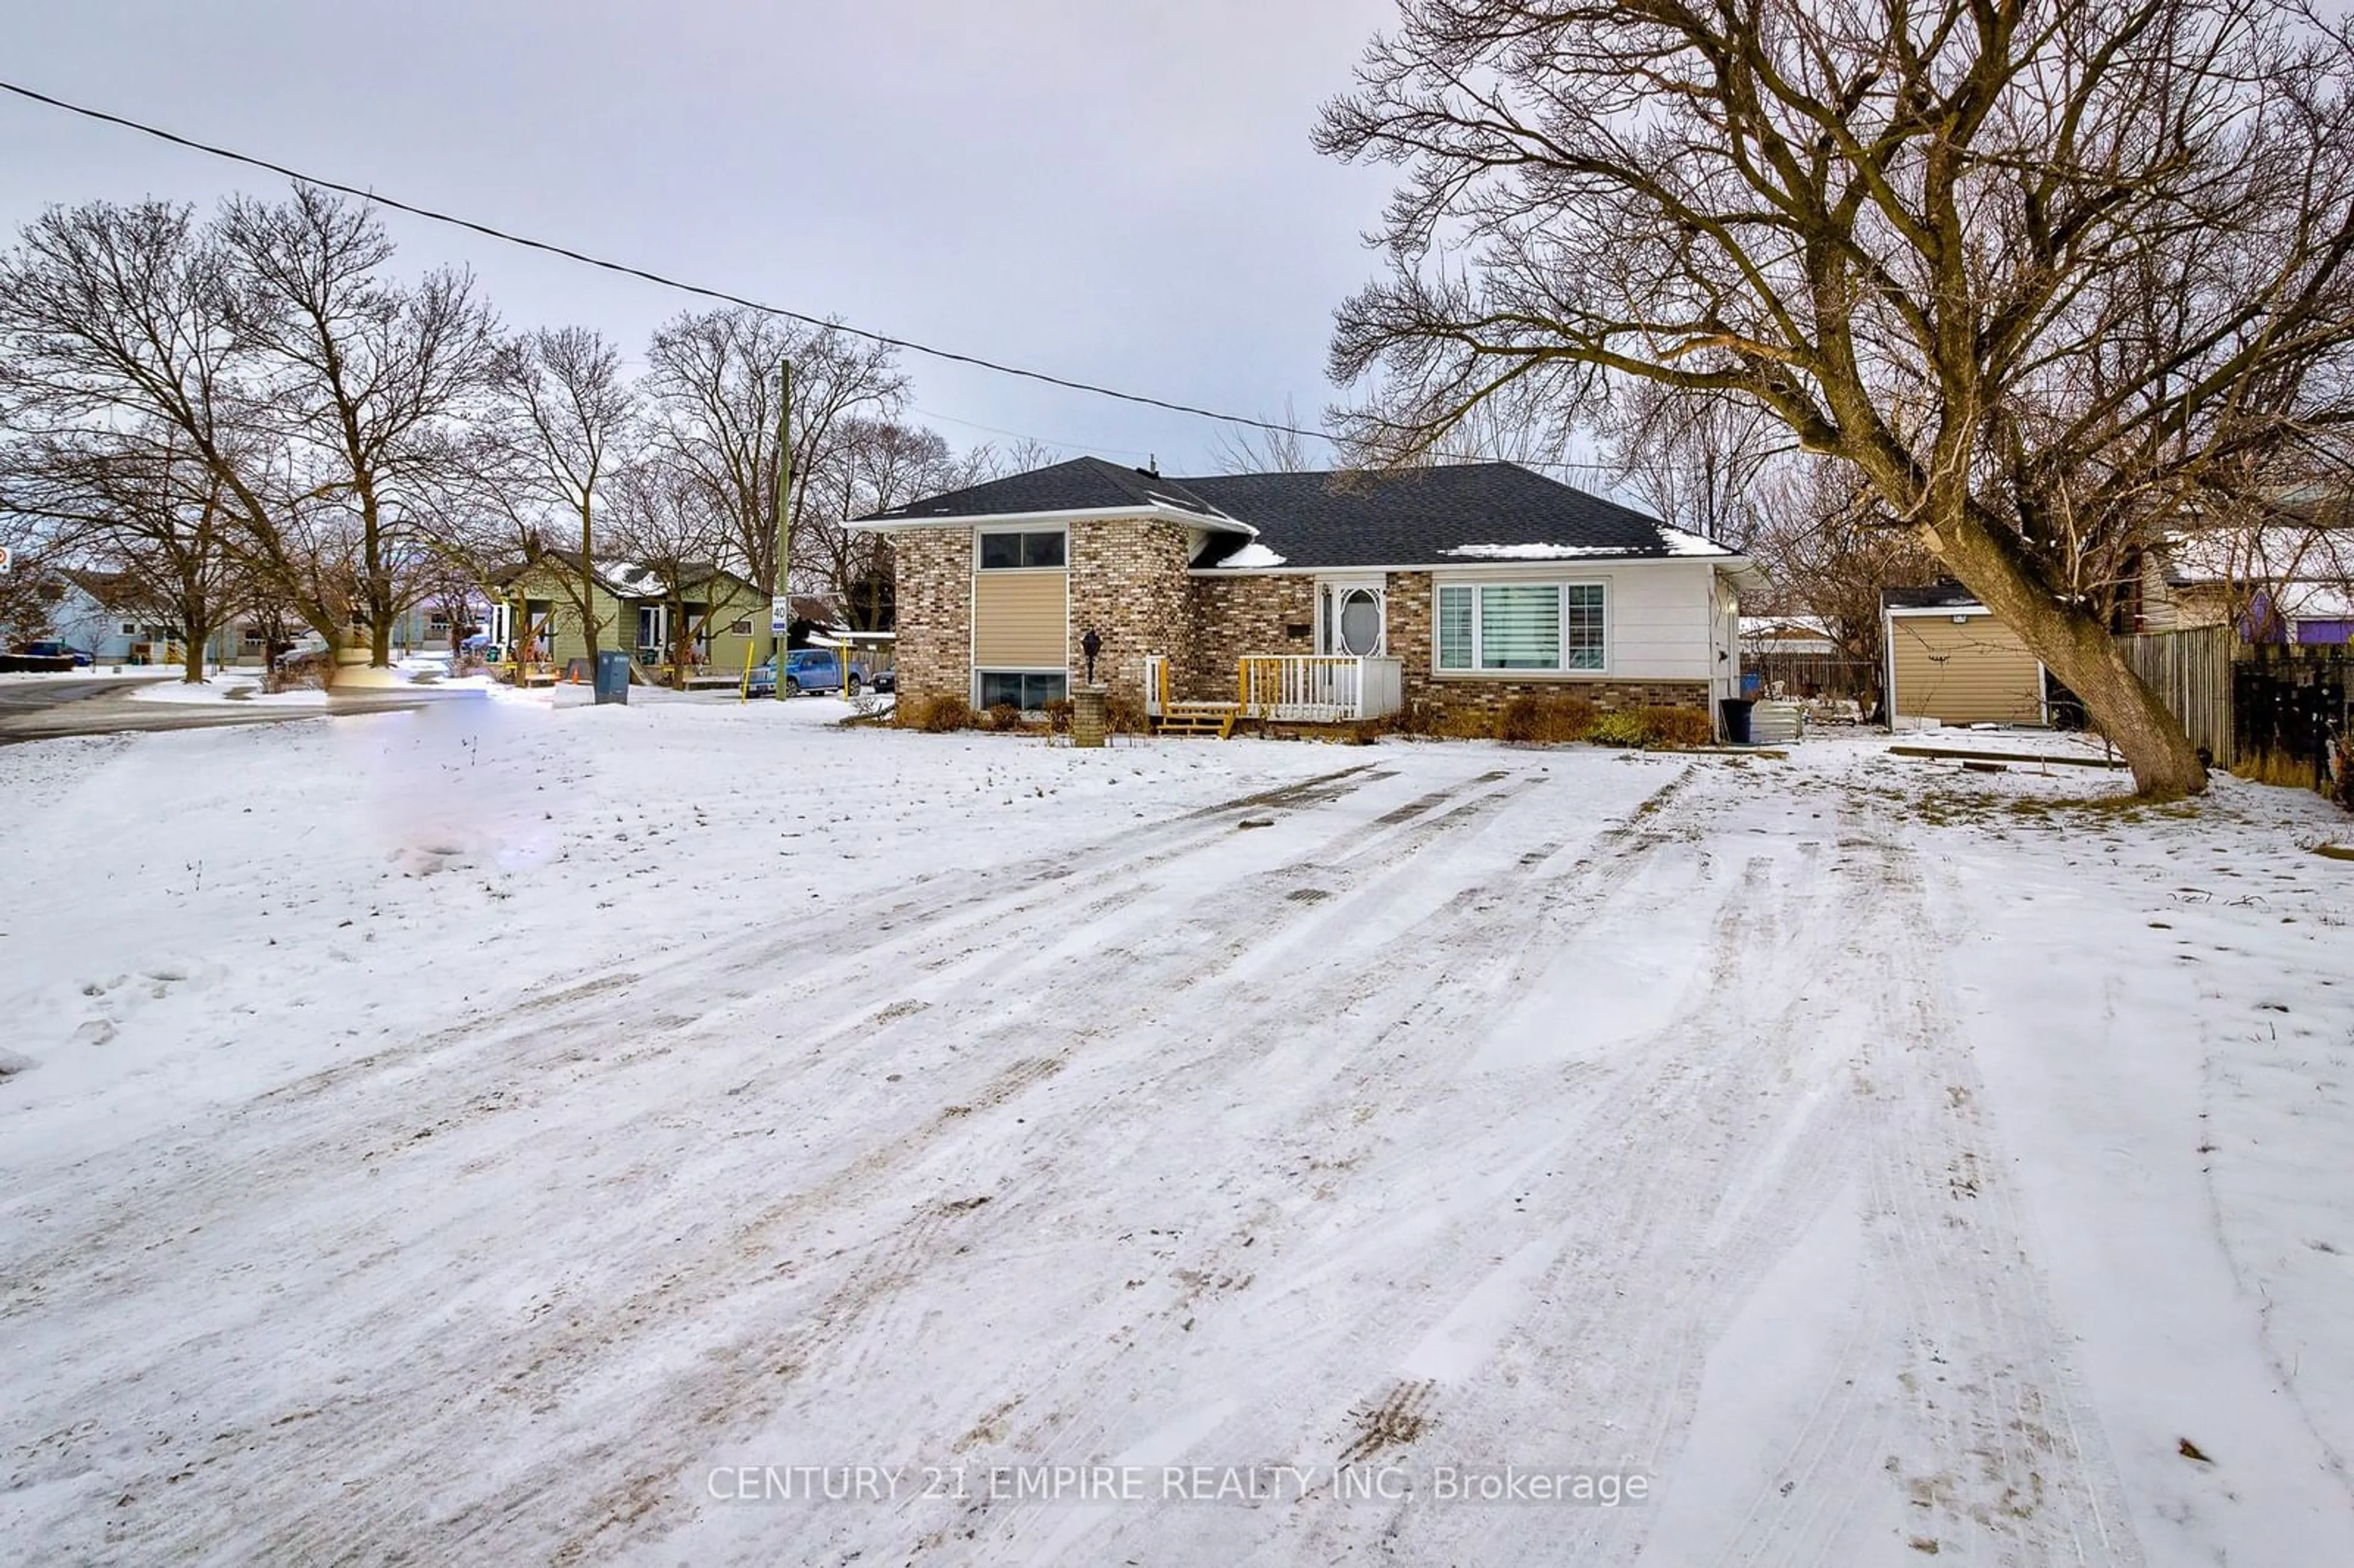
{"x": 1736, "y": 718}
{"x": 613, "y": 676}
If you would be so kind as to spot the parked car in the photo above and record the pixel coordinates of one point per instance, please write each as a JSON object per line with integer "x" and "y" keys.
{"x": 52, "y": 648}
{"x": 807, "y": 670}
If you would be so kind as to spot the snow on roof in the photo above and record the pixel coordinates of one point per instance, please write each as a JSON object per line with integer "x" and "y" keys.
{"x": 2314, "y": 601}
{"x": 1675, "y": 542}
{"x": 1253, "y": 554}
{"x": 1680, "y": 543}
{"x": 1529, "y": 552}
{"x": 1784, "y": 625}
{"x": 2255, "y": 555}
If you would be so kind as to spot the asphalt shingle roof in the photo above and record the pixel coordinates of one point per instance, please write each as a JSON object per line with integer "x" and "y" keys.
{"x": 1078, "y": 485}
{"x": 1935, "y": 596}
{"x": 1431, "y": 517}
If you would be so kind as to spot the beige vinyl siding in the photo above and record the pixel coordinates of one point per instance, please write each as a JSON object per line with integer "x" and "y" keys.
{"x": 1976, "y": 671}
{"x": 1019, "y": 619}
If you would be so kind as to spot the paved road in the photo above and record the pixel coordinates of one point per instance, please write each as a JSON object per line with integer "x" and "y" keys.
{"x": 19, "y": 698}
{"x": 46, "y": 710}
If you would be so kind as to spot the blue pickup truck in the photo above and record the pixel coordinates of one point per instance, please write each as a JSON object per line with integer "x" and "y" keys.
{"x": 808, "y": 670}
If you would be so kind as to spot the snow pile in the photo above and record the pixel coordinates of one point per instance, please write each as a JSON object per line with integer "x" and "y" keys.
{"x": 1253, "y": 554}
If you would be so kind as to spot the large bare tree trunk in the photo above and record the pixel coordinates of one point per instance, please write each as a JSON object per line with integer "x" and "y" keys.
{"x": 2079, "y": 648}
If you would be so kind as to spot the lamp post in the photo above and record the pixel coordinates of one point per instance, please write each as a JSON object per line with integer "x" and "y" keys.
{"x": 1088, "y": 716}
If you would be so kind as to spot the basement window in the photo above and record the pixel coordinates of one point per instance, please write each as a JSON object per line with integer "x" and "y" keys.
{"x": 1028, "y": 690}
{"x": 1026, "y": 549}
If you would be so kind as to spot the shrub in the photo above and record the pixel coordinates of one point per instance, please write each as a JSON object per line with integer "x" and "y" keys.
{"x": 1546, "y": 720}
{"x": 1058, "y": 715}
{"x": 1004, "y": 717}
{"x": 1417, "y": 717}
{"x": 1465, "y": 722}
{"x": 1679, "y": 727}
{"x": 1125, "y": 715}
{"x": 1619, "y": 728}
{"x": 938, "y": 716}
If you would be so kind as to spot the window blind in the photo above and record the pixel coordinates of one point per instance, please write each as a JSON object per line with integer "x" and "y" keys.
{"x": 1519, "y": 627}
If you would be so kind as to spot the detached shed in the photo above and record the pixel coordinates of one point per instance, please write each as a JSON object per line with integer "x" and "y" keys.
{"x": 1949, "y": 659}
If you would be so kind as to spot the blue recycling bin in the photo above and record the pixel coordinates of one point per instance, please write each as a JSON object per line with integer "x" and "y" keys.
{"x": 613, "y": 676}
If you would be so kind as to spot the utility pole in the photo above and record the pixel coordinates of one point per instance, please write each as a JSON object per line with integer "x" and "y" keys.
{"x": 780, "y": 607}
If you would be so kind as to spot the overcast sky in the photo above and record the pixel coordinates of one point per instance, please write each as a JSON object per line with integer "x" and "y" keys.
{"x": 1119, "y": 191}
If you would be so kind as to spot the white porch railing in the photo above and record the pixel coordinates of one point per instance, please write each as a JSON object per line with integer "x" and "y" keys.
{"x": 1297, "y": 688}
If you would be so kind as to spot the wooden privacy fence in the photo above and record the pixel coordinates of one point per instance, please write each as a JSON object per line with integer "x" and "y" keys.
{"x": 2190, "y": 672}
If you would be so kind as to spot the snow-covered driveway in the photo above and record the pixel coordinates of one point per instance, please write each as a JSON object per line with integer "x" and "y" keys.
{"x": 1865, "y": 1177}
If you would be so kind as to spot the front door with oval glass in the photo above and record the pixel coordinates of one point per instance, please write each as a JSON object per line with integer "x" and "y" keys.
{"x": 1351, "y": 618}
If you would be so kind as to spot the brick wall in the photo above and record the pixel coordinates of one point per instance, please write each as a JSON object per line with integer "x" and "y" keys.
{"x": 1410, "y": 640}
{"x": 1235, "y": 616}
{"x": 1128, "y": 583}
{"x": 932, "y": 580}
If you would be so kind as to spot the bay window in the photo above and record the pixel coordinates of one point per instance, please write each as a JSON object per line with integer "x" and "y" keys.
{"x": 1539, "y": 628}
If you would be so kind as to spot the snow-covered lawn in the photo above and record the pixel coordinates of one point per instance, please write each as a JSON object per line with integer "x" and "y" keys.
{"x": 514, "y": 1131}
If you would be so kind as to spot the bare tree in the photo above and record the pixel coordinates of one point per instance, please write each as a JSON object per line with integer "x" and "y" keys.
{"x": 662, "y": 520}
{"x": 565, "y": 426}
{"x": 30, "y": 591}
{"x": 715, "y": 382}
{"x": 1696, "y": 460}
{"x": 882, "y": 463}
{"x": 2041, "y": 271}
{"x": 364, "y": 375}
{"x": 139, "y": 505}
{"x": 987, "y": 461}
{"x": 122, "y": 317}
{"x": 1242, "y": 448}
{"x": 1827, "y": 550}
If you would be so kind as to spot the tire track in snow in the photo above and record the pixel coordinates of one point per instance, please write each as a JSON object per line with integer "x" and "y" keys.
{"x": 560, "y": 1041}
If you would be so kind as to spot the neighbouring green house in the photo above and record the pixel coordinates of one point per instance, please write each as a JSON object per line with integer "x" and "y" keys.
{"x": 703, "y": 616}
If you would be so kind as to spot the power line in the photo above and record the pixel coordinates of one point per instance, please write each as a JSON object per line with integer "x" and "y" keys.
{"x": 488, "y": 231}
{"x": 722, "y": 295}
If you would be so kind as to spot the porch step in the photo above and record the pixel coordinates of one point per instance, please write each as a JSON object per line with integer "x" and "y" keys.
{"x": 1199, "y": 718}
